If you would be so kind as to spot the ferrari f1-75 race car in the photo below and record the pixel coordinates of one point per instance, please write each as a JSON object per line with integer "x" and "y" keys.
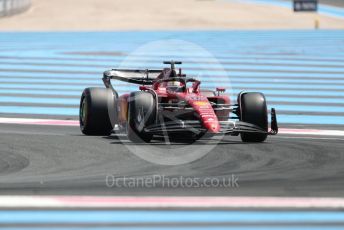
{"x": 170, "y": 104}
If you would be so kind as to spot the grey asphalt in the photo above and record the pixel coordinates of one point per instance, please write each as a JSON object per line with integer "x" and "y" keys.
{"x": 59, "y": 160}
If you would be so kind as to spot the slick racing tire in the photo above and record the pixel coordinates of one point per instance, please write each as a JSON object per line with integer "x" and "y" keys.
{"x": 141, "y": 113}
{"x": 96, "y": 105}
{"x": 253, "y": 110}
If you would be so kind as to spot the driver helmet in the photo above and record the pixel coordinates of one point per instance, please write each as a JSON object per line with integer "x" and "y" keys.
{"x": 174, "y": 86}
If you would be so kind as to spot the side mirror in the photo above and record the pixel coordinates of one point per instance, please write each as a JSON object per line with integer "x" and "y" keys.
{"x": 195, "y": 86}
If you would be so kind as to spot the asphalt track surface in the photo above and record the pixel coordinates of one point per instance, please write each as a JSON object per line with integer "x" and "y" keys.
{"x": 60, "y": 161}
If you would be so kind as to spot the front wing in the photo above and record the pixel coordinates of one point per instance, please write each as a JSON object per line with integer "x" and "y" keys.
{"x": 230, "y": 127}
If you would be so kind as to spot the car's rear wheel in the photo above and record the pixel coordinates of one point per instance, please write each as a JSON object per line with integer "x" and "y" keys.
{"x": 253, "y": 109}
{"x": 94, "y": 115}
{"x": 142, "y": 113}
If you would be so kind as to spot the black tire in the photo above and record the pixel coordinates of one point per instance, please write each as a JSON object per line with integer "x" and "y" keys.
{"x": 141, "y": 113}
{"x": 96, "y": 105}
{"x": 253, "y": 109}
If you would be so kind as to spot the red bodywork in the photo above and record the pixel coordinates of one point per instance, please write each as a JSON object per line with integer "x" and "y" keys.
{"x": 201, "y": 102}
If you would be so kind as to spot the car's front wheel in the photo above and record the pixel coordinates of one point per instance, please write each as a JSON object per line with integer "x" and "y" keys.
{"x": 253, "y": 110}
{"x": 141, "y": 113}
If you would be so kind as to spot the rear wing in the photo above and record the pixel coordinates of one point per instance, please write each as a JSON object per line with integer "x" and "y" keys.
{"x": 135, "y": 76}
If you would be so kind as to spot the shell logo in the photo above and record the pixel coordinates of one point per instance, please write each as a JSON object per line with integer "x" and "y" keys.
{"x": 200, "y": 103}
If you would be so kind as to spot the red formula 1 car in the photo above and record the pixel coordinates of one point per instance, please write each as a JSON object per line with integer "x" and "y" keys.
{"x": 170, "y": 104}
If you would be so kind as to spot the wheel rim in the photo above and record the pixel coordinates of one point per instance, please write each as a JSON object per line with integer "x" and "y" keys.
{"x": 140, "y": 119}
{"x": 83, "y": 112}
{"x": 139, "y": 116}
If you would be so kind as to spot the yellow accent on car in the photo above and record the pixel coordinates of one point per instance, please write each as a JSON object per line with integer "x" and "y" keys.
{"x": 201, "y": 103}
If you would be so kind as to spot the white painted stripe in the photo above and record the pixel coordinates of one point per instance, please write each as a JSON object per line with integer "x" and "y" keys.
{"x": 169, "y": 202}
{"x": 54, "y": 122}
{"x": 319, "y": 132}
{"x": 29, "y": 121}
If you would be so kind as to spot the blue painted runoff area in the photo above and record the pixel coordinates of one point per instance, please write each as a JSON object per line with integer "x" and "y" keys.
{"x": 299, "y": 71}
{"x": 138, "y": 216}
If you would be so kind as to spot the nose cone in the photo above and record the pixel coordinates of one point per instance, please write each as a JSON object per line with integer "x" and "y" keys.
{"x": 212, "y": 125}
{"x": 206, "y": 113}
